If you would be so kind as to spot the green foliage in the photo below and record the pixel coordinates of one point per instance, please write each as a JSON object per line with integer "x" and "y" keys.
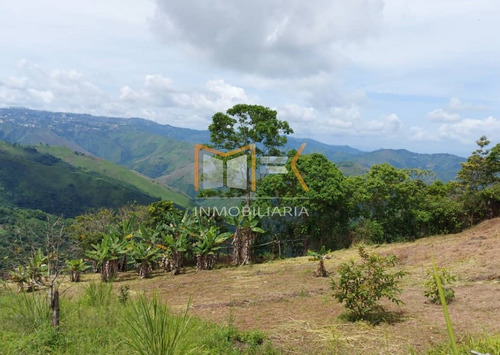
{"x": 318, "y": 255}
{"x": 480, "y": 180}
{"x": 97, "y": 294}
{"x": 248, "y": 124}
{"x": 129, "y": 177}
{"x": 431, "y": 290}
{"x": 327, "y": 217}
{"x": 366, "y": 231}
{"x": 361, "y": 285}
{"x": 31, "y": 310}
{"x": 154, "y": 330}
{"x": 34, "y": 180}
{"x": 482, "y": 344}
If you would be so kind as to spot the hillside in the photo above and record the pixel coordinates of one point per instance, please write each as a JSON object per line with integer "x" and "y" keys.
{"x": 97, "y": 165}
{"x": 165, "y": 153}
{"x": 35, "y": 180}
{"x": 301, "y": 316}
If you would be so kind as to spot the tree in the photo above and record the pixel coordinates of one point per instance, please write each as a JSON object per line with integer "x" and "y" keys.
{"x": 75, "y": 267}
{"x": 207, "y": 243}
{"x": 144, "y": 250}
{"x": 176, "y": 239}
{"x": 240, "y": 126}
{"x": 246, "y": 231}
{"x": 325, "y": 202}
{"x": 90, "y": 228}
{"x": 107, "y": 254}
{"x": 42, "y": 269}
{"x": 479, "y": 177}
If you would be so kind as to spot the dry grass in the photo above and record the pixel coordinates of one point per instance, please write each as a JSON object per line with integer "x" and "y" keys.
{"x": 299, "y": 313}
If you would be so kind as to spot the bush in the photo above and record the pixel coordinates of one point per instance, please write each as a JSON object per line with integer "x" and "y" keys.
{"x": 361, "y": 285}
{"x": 155, "y": 330}
{"x": 431, "y": 288}
{"x": 98, "y": 294}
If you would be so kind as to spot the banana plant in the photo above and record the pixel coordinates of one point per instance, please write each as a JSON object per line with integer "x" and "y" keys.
{"x": 144, "y": 250}
{"x": 124, "y": 231}
{"x": 176, "y": 237}
{"x": 107, "y": 254}
{"x": 246, "y": 231}
{"x": 75, "y": 267}
{"x": 320, "y": 257}
{"x": 208, "y": 241}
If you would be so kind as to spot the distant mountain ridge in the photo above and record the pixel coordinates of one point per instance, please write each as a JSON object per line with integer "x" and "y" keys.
{"x": 166, "y": 153}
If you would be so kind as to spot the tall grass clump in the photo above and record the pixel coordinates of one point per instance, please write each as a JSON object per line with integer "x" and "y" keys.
{"x": 155, "y": 330}
{"x": 97, "y": 294}
{"x": 31, "y": 310}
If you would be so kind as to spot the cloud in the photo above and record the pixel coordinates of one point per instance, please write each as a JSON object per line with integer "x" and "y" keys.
{"x": 471, "y": 127}
{"x": 268, "y": 37}
{"x": 441, "y": 115}
{"x": 458, "y": 105}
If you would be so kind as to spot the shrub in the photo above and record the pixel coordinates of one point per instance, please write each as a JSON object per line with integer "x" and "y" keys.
{"x": 361, "y": 285}
{"x": 154, "y": 330}
{"x": 97, "y": 294}
{"x": 431, "y": 288}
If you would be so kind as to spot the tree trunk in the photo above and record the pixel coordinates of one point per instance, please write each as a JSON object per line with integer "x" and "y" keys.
{"x": 247, "y": 249}
{"x": 205, "y": 262}
{"x": 237, "y": 246}
{"x": 109, "y": 270}
{"x": 75, "y": 276}
{"x": 167, "y": 264}
{"x": 54, "y": 305}
{"x": 123, "y": 264}
{"x": 144, "y": 269}
{"x": 321, "y": 271}
{"x": 176, "y": 262}
{"x": 95, "y": 270}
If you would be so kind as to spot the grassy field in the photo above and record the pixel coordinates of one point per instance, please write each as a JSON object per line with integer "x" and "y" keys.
{"x": 300, "y": 316}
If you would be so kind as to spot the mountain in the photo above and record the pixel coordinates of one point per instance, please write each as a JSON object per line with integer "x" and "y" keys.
{"x": 166, "y": 153}
{"x": 97, "y": 165}
{"x": 35, "y": 180}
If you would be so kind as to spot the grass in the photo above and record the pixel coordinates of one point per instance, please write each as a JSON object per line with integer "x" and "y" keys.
{"x": 141, "y": 325}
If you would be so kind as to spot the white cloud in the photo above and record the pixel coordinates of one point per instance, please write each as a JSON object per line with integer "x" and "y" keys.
{"x": 471, "y": 128}
{"x": 44, "y": 96}
{"x": 441, "y": 115}
{"x": 458, "y": 105}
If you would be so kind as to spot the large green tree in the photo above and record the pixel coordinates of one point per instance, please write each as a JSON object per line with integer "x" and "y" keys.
{"x": 324, "y": 216}
{"x": 240, "y": 126}
{"x": 479, "y": 178}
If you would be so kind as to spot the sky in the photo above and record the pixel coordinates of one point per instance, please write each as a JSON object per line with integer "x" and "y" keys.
{"x": 418, "y": 75}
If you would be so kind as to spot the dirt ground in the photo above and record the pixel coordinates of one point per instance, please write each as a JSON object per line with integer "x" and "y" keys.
{"x": 300, "y": 315}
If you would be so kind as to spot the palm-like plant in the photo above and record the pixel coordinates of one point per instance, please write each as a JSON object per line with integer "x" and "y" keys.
{"x": 247, "y": 228}
{"x": 208, "y": 242}
{"x": 320, "y": 257}
{"x": 107, "y": 254}
{"x": 176, "y": 237}
{"x": 75, "y": 267}
{"x": 144, "y": 249}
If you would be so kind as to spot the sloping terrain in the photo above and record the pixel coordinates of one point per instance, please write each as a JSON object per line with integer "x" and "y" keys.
{"x": 94, "y": 164}
{"x": 34, "y": 180}
{"x": 301, "y": 316}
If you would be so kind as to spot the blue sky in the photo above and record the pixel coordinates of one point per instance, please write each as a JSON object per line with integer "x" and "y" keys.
{"x": 420, "y": 75}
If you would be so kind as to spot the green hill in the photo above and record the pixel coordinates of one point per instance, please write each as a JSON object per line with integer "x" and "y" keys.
{"x": 97, "y": 165}
{"x": 36, "y": 180}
